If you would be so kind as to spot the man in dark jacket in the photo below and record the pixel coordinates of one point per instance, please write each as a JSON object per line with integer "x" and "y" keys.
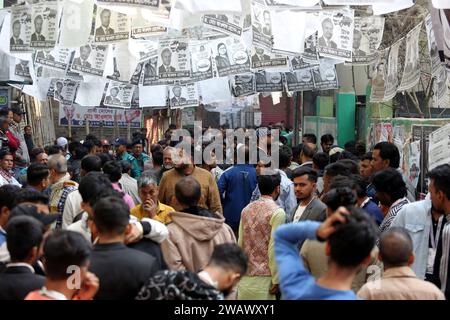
{"x": 122, "y": 271}
{"x": 24, "y": 237}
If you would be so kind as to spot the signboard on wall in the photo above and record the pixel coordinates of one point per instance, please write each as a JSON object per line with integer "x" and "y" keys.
{"x": 5, "y": 97}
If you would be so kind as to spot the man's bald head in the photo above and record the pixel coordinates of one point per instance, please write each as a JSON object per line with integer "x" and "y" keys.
{"x": 188, "y": 192}
{"x": 396, "y": 248}
{"x": 308, "y": 150}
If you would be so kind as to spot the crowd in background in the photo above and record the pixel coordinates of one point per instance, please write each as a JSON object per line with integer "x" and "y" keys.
{"x": 145, "y": 221}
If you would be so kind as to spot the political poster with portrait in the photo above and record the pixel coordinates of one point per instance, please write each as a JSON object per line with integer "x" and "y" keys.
{"x": 20, "y": 29}
{"x": 261, "y": 25}
{"x": 181, "y": 96}
{"x": 173, "y": 59}
{"x": 230, "y": 56}
{"x": 432, "y": 46}
{"x": 269, "y": 81}
{"x": 441, "y": 89}
{"x": 413, "y": 164}
{"x": 325, "y": 75}
{"x": 298, "y": 63}
{"x": 149, "y": 4}
{"x": 149, "y": 73}
{"x": 121, "y": 63}
{"x": 136, "y": 77}
{"x": 243, "y": 84}
{"x": 44, "y": 27}
{"x": 118, "y": 95}
{"x": 57, "y": 58}
{"x": 379, "y": 77}
{"x": 65, "y": 90}
{"x": 20, "y": 69}
{"x": 98, "y": 117}
{"x": 201, "y": 60}
{"x": 141, "y": 27}
{"x": 439, "y": 147}
{"x": 392, "y": 80}
{"x": 411, "y": 71}
{"x": 335, "y": 37}
{"x": 230, "y": 24}
{"x": 111, "y": 26}
{"x": 90, "y": 59}
{"x": 309, "y": 53}
{"x": 300, "y": 80}
{"x": 367, "y": 37}
{"x": 264, "y": 59}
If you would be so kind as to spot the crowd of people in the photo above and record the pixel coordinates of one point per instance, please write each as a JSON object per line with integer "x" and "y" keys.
{"x": 133, "y": 220}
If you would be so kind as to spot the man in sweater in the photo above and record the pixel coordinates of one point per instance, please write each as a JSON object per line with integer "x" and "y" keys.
{"x": 184, "y": 166}
{"x": 350, "y": 237}
{"x": 259, "y": 220}
{"x": 194, "y": 230}
{"x": 399, "y": 282}
{"x": 122, "y": 271}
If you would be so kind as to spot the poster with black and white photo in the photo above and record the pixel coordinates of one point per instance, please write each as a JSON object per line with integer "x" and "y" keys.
{"x": 300, "y": 80}
{"x": 230, "y": 24}
{"x": 269, "y": 81}
{"x": 65, "y": 90}
{"x": 137, "y": 74}
{"x": 201, "y": 60}
{"x": 230, "y": 56}
{"x": 303, "y": 4}
{"x": 325, "y": 76}
{"x": 243, "y": 84}
{"x": 309, "y": 53}
{"x": 367, "y": 36}
{"x": 141, "y": 27}
{"x": 118, "y": 95}
{"x": 411, "y": 71}
{"x": 173, "y": 58}
{"x": 90, "y": 59}
{"x": 264, "y": 59}
{"x": 379, "y": 77}
{"x": 57, "y": 59}
{"x": 143, "y": 49}
{"x": 149, "y": 4}
{"x": 298, "y": 63}
{"x": 121, "y": 63}
{"x": 432, "y": 46}
{"x": 392, "y": 80}
{"x": 111, "y": 26}
{"x": 149, "y": 73}
{"x": 20, "y": 29}
{"x": 20, "y": 69}
{"x": 440, "y": 88}
{"x": 261, "y": 25}
{"x": 45, "y": 19}
{"x": 181, "y": 96}
{"x": 335, "y": 38}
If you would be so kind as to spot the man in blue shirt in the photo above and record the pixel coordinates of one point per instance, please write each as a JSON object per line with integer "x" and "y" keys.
{"x": 350, "y": 236}
{"x": 366, "y": 202}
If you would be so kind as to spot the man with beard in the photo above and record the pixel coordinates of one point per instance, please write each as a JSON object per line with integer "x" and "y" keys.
{"x": 227, "y": 265}
{"x": 184, "y": 166}
{"x": 426, "y": 223}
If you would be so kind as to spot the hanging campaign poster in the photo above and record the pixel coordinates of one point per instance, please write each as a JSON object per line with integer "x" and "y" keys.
{"x": 264, "y": 59}
{"x": 118, "y": 95}
{"x": 367, "y": 36}
{"x": 65, "y": 90}
{"x": 201, "y": 60}
{"x": 432, "y": 46}
{"x": 111, "y": 26}
{"x": 20, "y": 28}
{"x": 230, "y": 24}
{"x": 336, "y": 34}
{"x": 325, "y": 76}
{"x": 269, "y": 81}
{"x": 392, "y": 72}
{"x": 411, "y": 71}
{"x": 90, "y": 59}
{"x": 243, "y": 84}
{"x": 439, "y": 147}
{"x": 379, "y": 77}
{"x": 181, "y": 96}
{"x": 173, "y": 58}
{"x": 45, "y": 17}
{"x": 261, "y": 25}
{"x": 230, "y": 56}
{"x": 300, "y": 80}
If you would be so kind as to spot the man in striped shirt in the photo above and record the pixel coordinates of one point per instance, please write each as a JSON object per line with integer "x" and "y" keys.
{"x": 391, "y": 192}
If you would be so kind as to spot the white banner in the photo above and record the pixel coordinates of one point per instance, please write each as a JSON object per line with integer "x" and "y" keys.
{"x": 269, "y": 81}
{"x": 411, "y": 71}
{"x": 439, "y": 147}
{"x": 367, "y": 36}
{"x": 392, "y": 80}
{"x": 432, "y": 46}
{"x": 111, "y": 26}
{"x": 45, "y": 17}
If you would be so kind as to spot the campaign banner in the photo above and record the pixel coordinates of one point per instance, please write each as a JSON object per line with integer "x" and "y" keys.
{"x": 379, "y": 77}
{"x": 411, "y": 71}
{"x": 181, "y": 96}
{"x": 173, "y": 58}
{"x": 264, "y": 59}
{"x": 269, "y": 81}
{"x": 392, "y": 80}
{"x": 325, "y": 75}
{"x": 90, "y": 59}
{"x": 300, "y": 80}
{"x": 44, "y": 28}
{"x": 243, "y": 84}
{"x": 230, "y": 56}
{"x": 367, "y": 37}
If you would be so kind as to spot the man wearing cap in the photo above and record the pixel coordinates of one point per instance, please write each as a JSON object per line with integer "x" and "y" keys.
{"x": 14, "y": 127}
{"x": 63, "y": 144}
{"x": 122, "y": 154}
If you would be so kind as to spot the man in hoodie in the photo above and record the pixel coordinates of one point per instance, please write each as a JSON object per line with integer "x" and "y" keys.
{"x": 194, "y": 231}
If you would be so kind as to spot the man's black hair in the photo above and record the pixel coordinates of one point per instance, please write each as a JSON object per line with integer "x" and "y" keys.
{"x": 93, "y": 186}
{"x": 321, "y": 160}
{"x": 63, "y": 249}
{"x": 32, "y": 196}
{"x": 396, "y": 247}
{"x": 389, "y": 151}
{"x": 284, "y": 156}
{"x": 4, "y": 153}
{"x": 343, "y": 181}
{"x": 354, "y": 240}
{"x": 390, "y": 181}
{"x": 337, "y": 168}
{"x": 8, "y": 193}
{"x": 350, "y": 146}
{"x": 89, "y": 145}
{"x": 80, "y": 152}
{"x": 267, "y": 183}
{"x": 301, "y": 171}
{"x": 113, "y": 170}
{"x": 229, "y": 256}
{"x": 361, "y": 185}
{"x": 135, "y": 142}
{"x": 157, "y": 157}
{"x": 23, "y": 233}
{"x": 327, "y": 138}
{"x": 126, "y": 166}
{"x": 351, "y": 164}
{"x": 37, "y": 172}
{"x": 105, "y": 157}
{"x": 54, "y": 150}
{"x": 111, "y": 215}
{"x": 35, "y": 152}
{"x": 296, "y": 150}
{"x": 307, "y": 151}
{"x": 367, "y": 156}
{"x": 310, "y": 137}
{"x": 339, "y": 197}
{"x": 91, "y": 163}
{"x": 73, "y": 146}
{"x": 441, "y": 178}
{"x": 188, "y": 191}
